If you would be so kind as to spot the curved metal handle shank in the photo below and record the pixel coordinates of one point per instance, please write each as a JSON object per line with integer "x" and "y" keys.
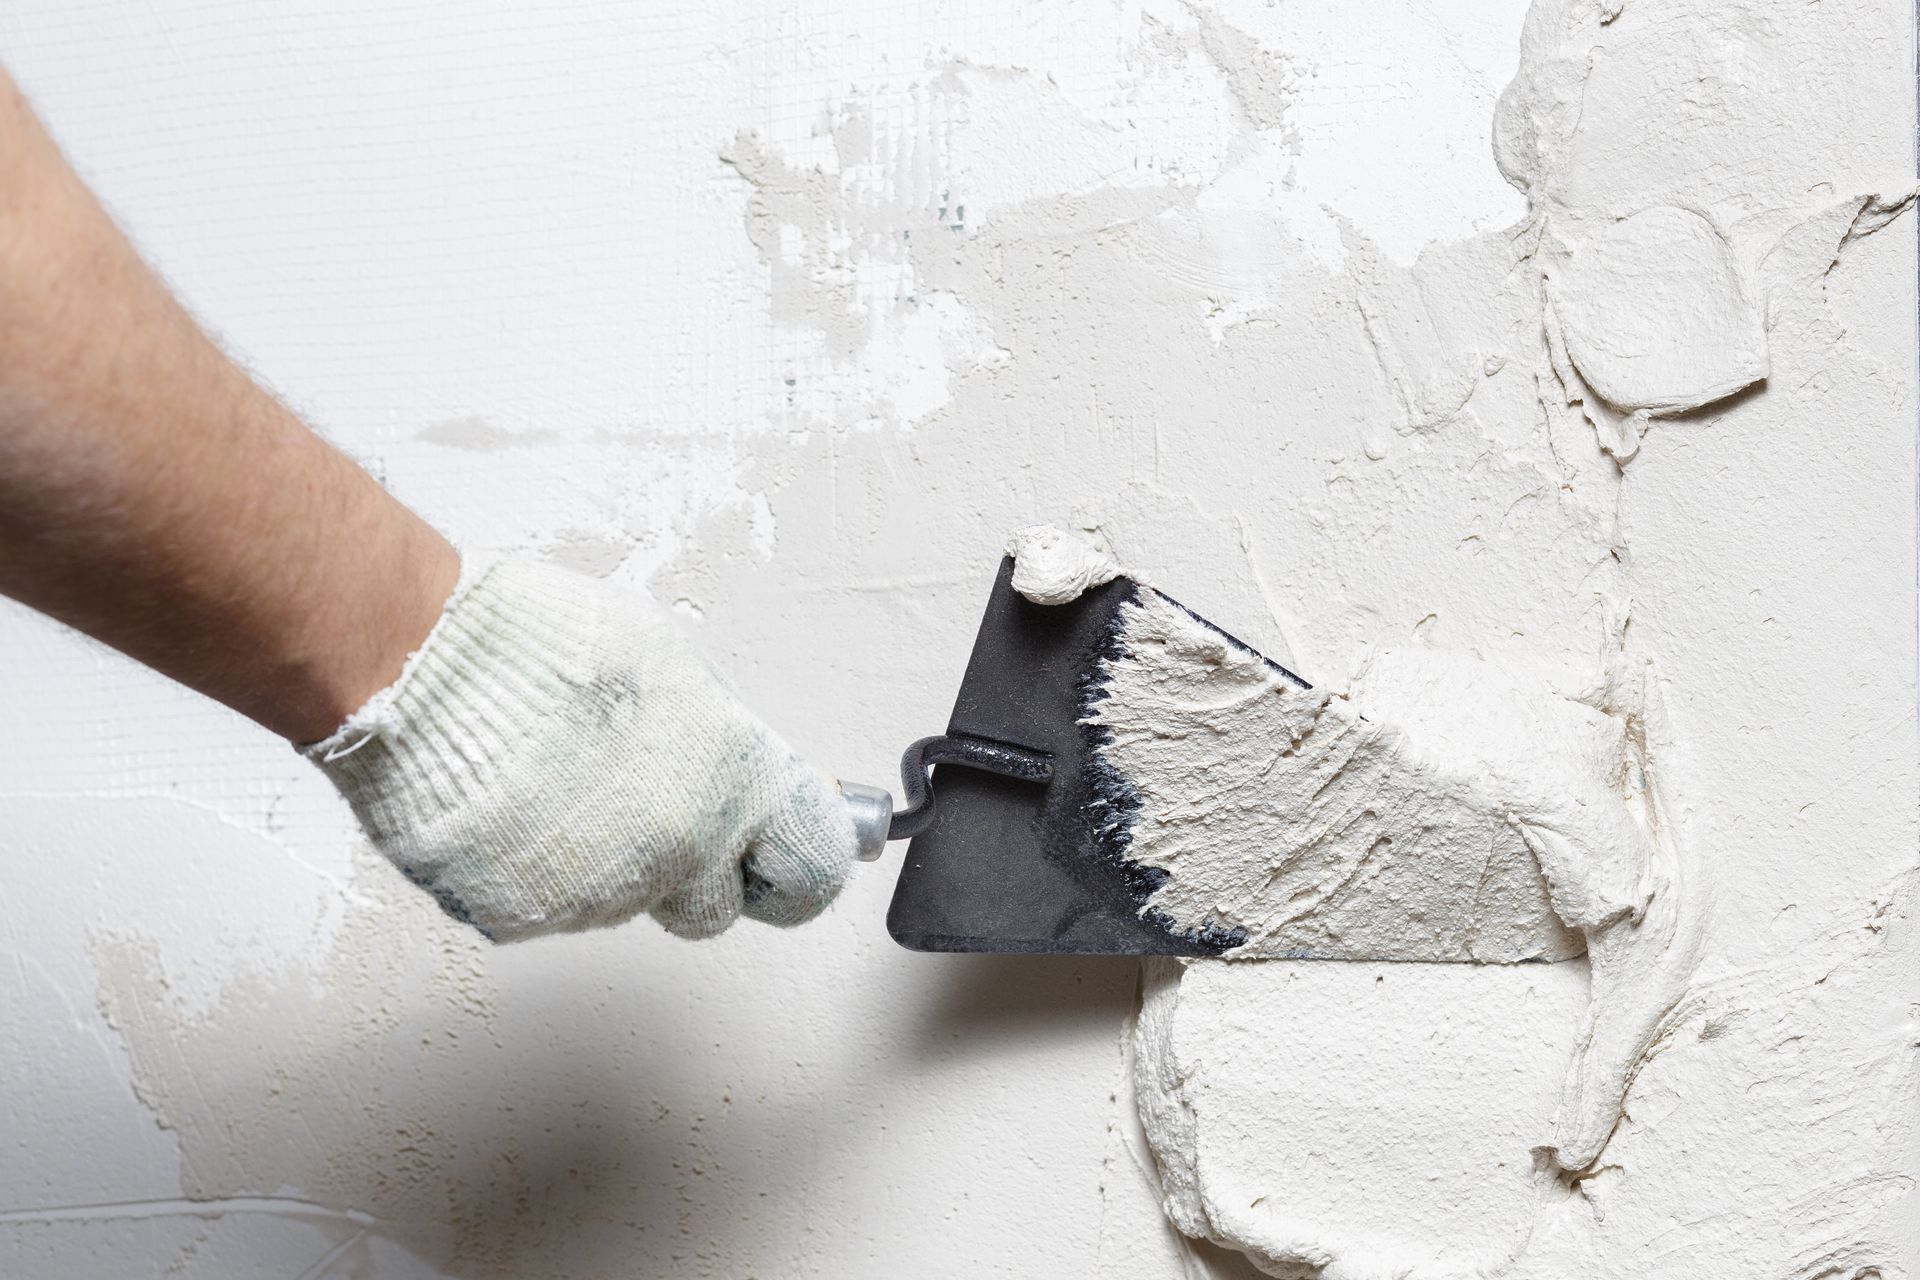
{"x": 975, "y": 753}
{"x": 874, "y": 820}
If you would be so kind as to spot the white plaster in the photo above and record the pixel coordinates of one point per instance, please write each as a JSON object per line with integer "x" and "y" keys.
{"x": 1427, "y": 810}
{"x": 1053, "y": 566}
{"x": 1654, "y": 313}
{"x": 1399, "y": 153}
{"x": 1649, "y": 317}
{"x": 810, "y": 395}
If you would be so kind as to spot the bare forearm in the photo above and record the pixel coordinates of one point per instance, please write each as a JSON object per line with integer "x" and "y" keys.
{"x": 155, "y": 497}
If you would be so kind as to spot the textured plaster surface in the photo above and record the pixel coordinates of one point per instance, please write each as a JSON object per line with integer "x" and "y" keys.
{"x": 791, "y": 314}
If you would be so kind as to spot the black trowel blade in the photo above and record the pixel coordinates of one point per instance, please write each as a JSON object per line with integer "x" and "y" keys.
{"x": 1012, "y": 866}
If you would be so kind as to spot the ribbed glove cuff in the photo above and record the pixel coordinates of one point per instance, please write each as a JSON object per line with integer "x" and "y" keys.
{"x": 510, "y": 648}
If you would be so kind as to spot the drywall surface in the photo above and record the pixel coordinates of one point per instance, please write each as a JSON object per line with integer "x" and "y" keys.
{"x": 1575, "y": 341}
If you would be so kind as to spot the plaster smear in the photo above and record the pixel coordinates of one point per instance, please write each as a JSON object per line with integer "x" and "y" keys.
{"x": 301, "y": 1092}
{"x": 1649, "y": 317}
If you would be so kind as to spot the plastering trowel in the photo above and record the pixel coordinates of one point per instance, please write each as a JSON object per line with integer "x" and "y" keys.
{"x": 1018, "y": 838}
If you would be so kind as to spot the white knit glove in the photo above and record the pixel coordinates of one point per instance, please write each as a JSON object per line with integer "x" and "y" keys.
{"x": 555, "y": 758}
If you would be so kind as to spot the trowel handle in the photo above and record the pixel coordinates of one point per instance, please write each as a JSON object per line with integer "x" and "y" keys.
{"x": 874, "y": 819}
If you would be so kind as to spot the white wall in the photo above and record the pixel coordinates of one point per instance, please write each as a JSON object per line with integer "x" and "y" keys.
{"x": 790, "y": 312}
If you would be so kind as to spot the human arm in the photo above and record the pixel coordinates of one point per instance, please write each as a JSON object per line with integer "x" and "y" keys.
{"x": 537, "y": 749}
{"x": 155, "y": 497}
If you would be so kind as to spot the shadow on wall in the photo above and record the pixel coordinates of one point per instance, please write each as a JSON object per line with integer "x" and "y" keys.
{"x": 989, "y": 1005}
{"x": 1211, "y": 1262}
{"x": 517, "y": 1111}
{"x": 989, "y": 1011}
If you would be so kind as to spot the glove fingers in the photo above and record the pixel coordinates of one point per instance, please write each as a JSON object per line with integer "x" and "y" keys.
{"x": 796, "y": 866}
{"x": 706, "y": 905}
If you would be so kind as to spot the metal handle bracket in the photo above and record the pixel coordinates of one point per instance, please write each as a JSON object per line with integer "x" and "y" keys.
{"x": 876, "y": 821}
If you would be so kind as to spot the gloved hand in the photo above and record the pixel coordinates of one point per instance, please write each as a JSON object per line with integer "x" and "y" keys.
{"x": 555, "y": 758}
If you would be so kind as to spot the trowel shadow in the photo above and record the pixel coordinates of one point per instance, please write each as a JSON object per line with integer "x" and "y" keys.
{"x": 988, "y": 1004}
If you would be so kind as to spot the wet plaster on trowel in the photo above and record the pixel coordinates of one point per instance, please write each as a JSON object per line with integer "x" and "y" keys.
{"x": 1434, "y": 808}
{"x": 1499, "y": 455}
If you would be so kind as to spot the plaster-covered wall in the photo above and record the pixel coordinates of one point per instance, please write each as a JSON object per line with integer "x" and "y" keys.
{"x": 790, "y": 313}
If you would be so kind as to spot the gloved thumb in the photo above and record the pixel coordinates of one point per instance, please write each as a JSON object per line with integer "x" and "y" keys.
{"x": 798, "y": 863}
